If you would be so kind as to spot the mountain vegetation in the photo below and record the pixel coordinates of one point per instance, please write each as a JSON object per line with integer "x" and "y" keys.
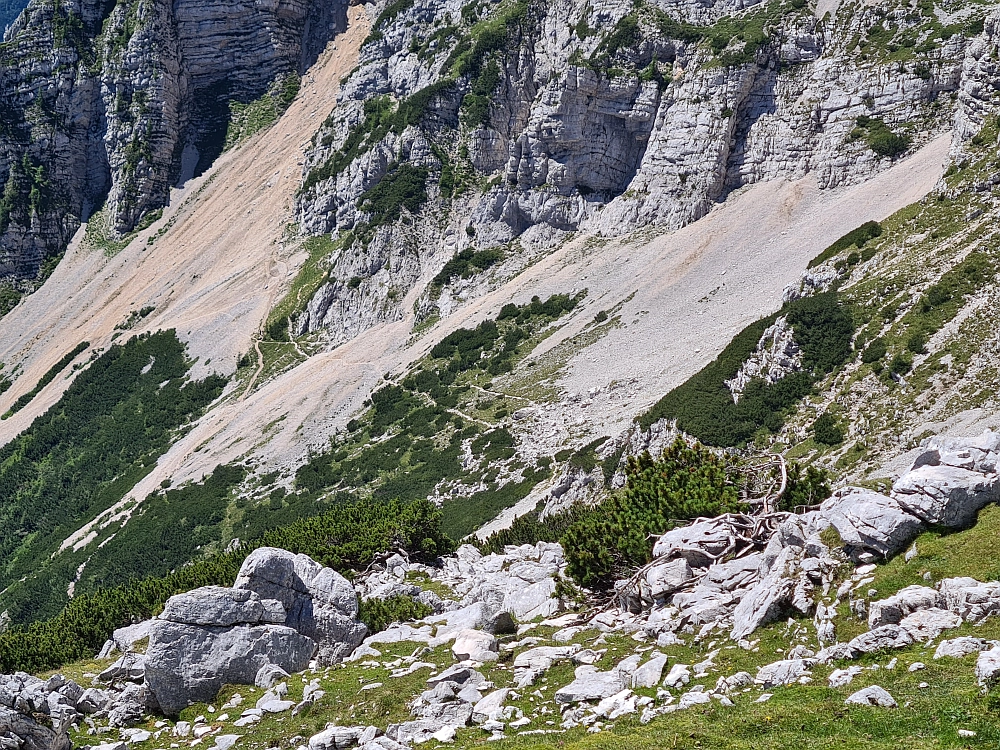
{"x": 345, "y": 538}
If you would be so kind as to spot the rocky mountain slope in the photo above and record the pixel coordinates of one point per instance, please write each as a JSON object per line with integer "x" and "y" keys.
{"x": 694, "y": 646}
{"x": 107, "y": 105}
{"x": 480, "y": 254}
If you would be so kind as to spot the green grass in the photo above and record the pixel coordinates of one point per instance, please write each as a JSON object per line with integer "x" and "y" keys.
{"x": 426, "y": 583}
{"x": 311, "y": 276}
{"x": 946, "y": 554}
{"x": 248, "y": 119}
{"x": 100, "y": 235}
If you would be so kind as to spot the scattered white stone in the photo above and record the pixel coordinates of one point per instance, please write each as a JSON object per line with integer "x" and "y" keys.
{"x": 678, "y": 676}
{"x": 841, "y": 677}
{"x": 872, "y": 696}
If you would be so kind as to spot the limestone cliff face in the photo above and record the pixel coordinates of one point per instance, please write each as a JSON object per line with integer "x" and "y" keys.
{"x": 532, "y": 120}
{"x": 117, "y": 100}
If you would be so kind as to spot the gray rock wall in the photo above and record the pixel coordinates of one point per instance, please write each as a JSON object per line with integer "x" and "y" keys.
{"x": 577, "y": 138}
{"x": 101, "y": 99}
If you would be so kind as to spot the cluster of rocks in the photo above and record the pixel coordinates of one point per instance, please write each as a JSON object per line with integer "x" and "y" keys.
{"x": 283, "y": 611}
{"x": 739, "y": 572}
{"x": 26, "y": 701}
{"x": 490, "y": 590}
{"x": 715, "y": 580}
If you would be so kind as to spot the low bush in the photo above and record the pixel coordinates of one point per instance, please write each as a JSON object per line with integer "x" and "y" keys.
{"x": 685, "y": 482}
{"x": 827, "y": 431}
{"x": 704, "y": 407}
{"x": 378, "y": 614}
{"x": 855, "y": 238}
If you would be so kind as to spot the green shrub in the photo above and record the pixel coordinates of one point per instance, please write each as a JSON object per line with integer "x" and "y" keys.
{"x": 684, "y": 483}
{"x": 881, "y": 139}
{"x": 827, "y": 431}
{"x": 378, "y": 614}
{"x": 466, "y": 264}
{"x": 704, "y": 407}
{"x": 855, "y": 238}
{"x": 531, "y": 529}
{"x": 900, "y": 364}
{"x": 611, "y": 540}
{"x": 476, "y": 104}
{"x": 405, "y": 187}
{"x": 917, "y": 343}
{"x": 875, "y": 351}
{"x": 806, "y": 487}
{"x": 823, "y": 328}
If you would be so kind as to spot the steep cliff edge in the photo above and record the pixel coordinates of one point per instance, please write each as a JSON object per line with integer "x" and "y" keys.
{"x": 107, "y": 105}
{"x": 513, "y": 125}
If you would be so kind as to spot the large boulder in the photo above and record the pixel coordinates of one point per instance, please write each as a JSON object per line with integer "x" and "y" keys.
{"x": 988, "y": 667}
{"x": 927, "y": 624}
{"x": 869, "y": 521}
{"x": 187, "y": 663}
{"x": 282, "y": 610}
{"x": 590, "y": 685}
{"x": 978, "y": 454}
{"x": 784, "y": 672}
{"x": 944, "y": 495}
{"x": 319, "y": 602}
{"x": 956, "y": 648}
{"x": 872, "y": 696}
{"x": 770, "y": 599}
{"x": 880, "y": 639}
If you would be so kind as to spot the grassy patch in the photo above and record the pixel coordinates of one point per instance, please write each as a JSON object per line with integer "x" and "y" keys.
{"x": 246, "y": 120}
{"x": 856, "y": 238}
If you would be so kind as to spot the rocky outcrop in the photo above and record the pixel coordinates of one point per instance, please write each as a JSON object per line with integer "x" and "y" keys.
{"x": 190, "y": 658}
{"x": 587, "y": 118}
{"x": 776, "y": 356}
{"x": 741, "y": 572}
{"x": 317, "y": 601}
{"x": 114, "y": 103}
{"x": 283, "y": 610}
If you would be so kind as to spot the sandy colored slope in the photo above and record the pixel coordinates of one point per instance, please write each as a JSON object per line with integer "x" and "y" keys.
{"x": 218, "y": 270}
{"x": 739, "y": 259}
{"x": 214, "y": 274}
